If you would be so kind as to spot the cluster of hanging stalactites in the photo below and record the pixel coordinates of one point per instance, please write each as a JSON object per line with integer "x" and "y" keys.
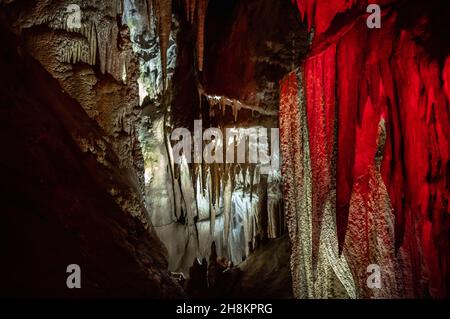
{"x": 98, "y": 44}
{"x": 195, "y": 13}
{"x": 196, "y": 9}
{"x": 235, "y": 206}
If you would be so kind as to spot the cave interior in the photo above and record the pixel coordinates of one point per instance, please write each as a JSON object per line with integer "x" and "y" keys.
{"x": 116, "y": 122}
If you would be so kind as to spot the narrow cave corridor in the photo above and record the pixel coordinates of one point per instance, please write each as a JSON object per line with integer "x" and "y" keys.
{"x": 237, "y": 149}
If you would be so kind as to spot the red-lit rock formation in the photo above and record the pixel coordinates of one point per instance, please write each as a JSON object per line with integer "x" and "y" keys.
{"x": 378, "y": 133}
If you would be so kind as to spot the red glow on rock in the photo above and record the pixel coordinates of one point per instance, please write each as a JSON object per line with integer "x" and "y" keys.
{"x": 353, "y": 81}
{"x": 321, "y": 111}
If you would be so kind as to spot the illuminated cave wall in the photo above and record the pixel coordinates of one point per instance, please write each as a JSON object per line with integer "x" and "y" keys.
{"x": 365, "y": 138}
{"x": 231, "y": 82}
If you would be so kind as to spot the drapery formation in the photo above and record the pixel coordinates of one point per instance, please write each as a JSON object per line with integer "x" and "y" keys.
{"x": 365, "y": 144}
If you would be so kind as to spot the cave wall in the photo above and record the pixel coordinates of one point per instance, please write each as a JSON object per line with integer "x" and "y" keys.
{"x": 74, "y": 179}
{"x": 366, "y": 154}
{"x": 95, "y": 65}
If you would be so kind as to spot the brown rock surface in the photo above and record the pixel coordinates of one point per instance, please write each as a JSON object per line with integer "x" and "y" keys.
{"x": 67, "y": 197}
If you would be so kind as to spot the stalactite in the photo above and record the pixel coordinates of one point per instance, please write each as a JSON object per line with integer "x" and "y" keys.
{"x": 187, "y": 6}
{"x": 320, "y": 14}
{"x": 256, "y": 177}
{"x": 213, "y": 198}
{"x": 297, "y": 182}
{"x": 208, "y": 189}
{"x": 222, "y": 102}
{"x": 320, "y": 101}
{"x": 93, "y": 44}
{"x": 163, "y": 10}
{"x": 275, "y": 227}
{"x": 102, "y": 49}
{"x": 193, "y": 6}
{"x": 241, "y": 176}
{"x": 79, "y": 50}
{"x": 227, "y": 206}
{"x": 247, "y": 226}
{"x": 223, "y": 106}
{"x": 296, "y": 130}
{"x": 251, "y": 181}
{"x": 236, "y": 108}
{"x": 187, "y": 9}
{"x": 203, "y": 174}
{"x": 201, "y": 12}
{"x": 218, "y": 185}
{"x": 272, "y": 229}
{"x": 247, "y": 178}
